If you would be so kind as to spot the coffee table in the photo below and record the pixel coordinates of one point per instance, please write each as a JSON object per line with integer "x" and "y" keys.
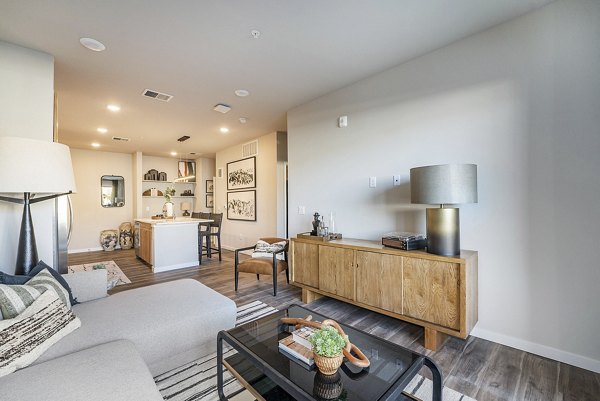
{"x": 268, "y": 374}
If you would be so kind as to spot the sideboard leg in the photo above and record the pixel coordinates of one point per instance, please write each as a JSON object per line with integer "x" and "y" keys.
{"x": 308, "y": 296}
{"x": 434, "y": 339}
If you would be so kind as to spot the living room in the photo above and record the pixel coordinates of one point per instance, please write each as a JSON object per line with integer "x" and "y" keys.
{"x": 516, "y": 95}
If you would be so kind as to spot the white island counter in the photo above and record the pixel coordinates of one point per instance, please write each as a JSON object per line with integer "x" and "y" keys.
{"x": 168, "y": 244}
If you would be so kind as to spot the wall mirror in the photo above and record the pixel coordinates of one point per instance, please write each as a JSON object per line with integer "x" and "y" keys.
{"x": 113, "y": 191}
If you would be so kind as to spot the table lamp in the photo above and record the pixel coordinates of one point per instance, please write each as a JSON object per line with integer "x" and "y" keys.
{"x": 447, "y": 184}
{"x": 33, "y": 167}
{"x": 185, "y": 206}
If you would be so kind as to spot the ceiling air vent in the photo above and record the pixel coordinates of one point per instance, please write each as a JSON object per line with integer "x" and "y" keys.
{"x": 221, "y": 108}
{"x": 120, "y": 138}
{"x": 250, "y": 149}
{"x": 157, "y": 95}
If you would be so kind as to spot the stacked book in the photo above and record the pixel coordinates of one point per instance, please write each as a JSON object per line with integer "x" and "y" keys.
{"x": 298, "y": 346}
{"x": 404, "y": 241}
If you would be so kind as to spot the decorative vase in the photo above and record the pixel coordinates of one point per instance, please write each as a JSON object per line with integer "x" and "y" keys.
{"x": 109, "y": 239}
{"x": 168, "y": 209}
{"x": 328, "y": 365}
{"x": 327, "y": 387}
{"x": 126, "y": 235}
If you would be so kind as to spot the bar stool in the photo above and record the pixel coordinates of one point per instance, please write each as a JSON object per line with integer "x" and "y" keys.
{"x": 203, "y": 231}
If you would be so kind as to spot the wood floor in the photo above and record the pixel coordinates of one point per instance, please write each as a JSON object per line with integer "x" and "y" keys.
{"x": 478, "y": 368}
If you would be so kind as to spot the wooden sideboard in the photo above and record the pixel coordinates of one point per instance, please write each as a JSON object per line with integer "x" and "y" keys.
{"x": 436, "y": 292}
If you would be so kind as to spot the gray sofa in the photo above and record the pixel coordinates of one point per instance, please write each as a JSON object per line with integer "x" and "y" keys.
{"x": 124, "y": 340}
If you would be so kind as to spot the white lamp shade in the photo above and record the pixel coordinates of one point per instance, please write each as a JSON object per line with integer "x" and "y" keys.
{"x": 185, "y": 206}
{"x": 444, "y": 184}
{"x": 29, "y": 165}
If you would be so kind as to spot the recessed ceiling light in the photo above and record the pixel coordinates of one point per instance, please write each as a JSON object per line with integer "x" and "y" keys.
{"x": 102, "y": 130}
{"x": 242, "y": 92}
{"x": 173, "y": 153}
{"x": 113, "y": 107}
{"x": 95, "y": 144}
{"x": 92, "y": 44}
{"x": 224, "y": 130}
{"x": 243, "y": 120}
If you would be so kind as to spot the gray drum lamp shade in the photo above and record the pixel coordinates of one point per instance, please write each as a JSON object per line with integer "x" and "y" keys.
{"x": 29, "y": 165}
{"x": 444, "y": 184}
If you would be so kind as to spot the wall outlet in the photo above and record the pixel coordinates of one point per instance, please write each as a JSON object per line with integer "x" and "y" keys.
{"x": 372, "y": 182}
{"x": 301, "y": 210}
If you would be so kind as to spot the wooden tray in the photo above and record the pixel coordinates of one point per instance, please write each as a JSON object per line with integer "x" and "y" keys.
{"x": 315, "y": 238}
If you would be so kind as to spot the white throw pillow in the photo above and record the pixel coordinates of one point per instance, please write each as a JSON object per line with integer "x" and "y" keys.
{"x": 26, "y": 337}
{"x": 265, "y": 250}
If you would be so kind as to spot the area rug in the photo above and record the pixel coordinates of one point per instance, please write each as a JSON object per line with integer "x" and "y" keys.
{"x": 197, "y": 381}
{"x": 115, "y": 275}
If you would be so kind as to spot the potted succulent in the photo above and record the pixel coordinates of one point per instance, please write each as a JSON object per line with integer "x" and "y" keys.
{"x": 327, "y": 345}
{"x": 168, "y": 206}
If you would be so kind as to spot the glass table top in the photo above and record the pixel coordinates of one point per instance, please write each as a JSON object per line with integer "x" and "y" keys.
{"x": 388, "y": 361}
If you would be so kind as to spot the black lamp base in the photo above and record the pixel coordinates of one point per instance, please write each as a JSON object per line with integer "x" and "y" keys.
{"x": 27, "y": 256}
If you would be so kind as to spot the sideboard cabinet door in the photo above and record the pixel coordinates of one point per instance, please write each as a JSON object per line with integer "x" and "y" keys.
{"x": 432, "y": 291}
{"x": 379, "y": 280}
{"x": 336, "y": 271}
{"x": 306, "y": 264}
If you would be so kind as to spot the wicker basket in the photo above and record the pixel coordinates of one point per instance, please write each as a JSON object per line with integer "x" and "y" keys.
{"x": 328, "y": 365}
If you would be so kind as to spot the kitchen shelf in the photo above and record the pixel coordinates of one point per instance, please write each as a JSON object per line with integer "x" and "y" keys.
{"x": 161, "y": 196}
{"x": 168, "y": 182}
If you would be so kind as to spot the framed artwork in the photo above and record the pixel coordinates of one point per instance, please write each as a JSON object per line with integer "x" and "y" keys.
{"x": 209, "y": 186}
{"x": 186, "y": 168}
{"x": 241, "y": 205}
{"x": 210, "y": 201}
{"x": 241, "y": 174}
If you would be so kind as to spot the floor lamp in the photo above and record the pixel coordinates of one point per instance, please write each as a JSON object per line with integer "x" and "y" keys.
{"x": 40, "y": 170}
{"x": 447, "y": 184}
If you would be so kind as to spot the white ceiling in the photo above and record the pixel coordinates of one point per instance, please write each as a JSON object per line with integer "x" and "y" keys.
{"x": 201, "y": 51}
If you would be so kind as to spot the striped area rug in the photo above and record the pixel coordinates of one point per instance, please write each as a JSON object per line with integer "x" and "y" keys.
{"x": 197, "y": 381}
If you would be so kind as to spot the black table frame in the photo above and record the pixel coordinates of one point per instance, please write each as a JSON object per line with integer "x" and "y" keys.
{"x": 393, "y": 393}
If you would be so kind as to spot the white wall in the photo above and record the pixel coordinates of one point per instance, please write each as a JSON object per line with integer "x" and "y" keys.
{"x": 205, "y": 170}
{"x": 234, "y": 233}
{"x": 520, "y": 100}
{"x": 26, "y": 110}
{"x": 90, "y": 218}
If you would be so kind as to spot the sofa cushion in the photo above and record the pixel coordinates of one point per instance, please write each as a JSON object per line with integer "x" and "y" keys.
{"x": 114, "y": 371}
{"x": 26, "y": 337}
{"x": 163, "y": 320}
{"x": 87, "y": 285}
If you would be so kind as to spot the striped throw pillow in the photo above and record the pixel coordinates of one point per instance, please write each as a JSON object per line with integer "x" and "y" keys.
{"x": 26, "y": 337}
{"x": 46, "y": 280}
{"x": 15, "y": 298}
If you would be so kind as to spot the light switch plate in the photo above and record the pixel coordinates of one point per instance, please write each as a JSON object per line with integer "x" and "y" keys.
{"x": 397, "y": 180}
{"x": 372, "y": 182}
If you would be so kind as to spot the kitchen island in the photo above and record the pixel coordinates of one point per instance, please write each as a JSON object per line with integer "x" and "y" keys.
{"x": 167, "y": 244}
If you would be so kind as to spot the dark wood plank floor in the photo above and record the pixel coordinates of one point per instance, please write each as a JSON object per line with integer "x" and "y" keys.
{"x": 478, "y": 368}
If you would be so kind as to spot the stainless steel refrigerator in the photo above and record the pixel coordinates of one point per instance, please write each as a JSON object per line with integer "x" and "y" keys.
{"x": 63, "y": 228}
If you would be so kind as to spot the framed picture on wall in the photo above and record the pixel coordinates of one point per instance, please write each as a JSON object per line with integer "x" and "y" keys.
{"x": 186, "y": 170}
{"x": 209, "y": 186}
{"x": 241, "y": 205}
{"x": 210, "y": 201}
{"x": 241, "y": 174}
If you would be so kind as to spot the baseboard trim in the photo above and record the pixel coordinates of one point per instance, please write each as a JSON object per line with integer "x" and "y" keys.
{"x": 542, "y": 350}
{"x": 84, "y": 250}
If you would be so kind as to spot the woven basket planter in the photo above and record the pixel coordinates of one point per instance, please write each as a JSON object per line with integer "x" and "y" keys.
{"x": 328, "y": 365}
